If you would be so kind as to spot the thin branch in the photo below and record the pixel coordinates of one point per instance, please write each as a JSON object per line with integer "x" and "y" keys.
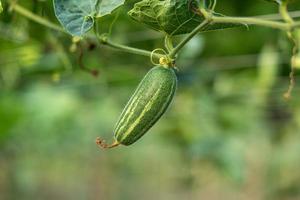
{"x": 105, "y": 41}
{"x": 293, "y": 14}
{"x": 249, "y": 21}
{"x": 284, "y": 13}
{"x": 26, "y": 13}
{"x": 173, "y": 53}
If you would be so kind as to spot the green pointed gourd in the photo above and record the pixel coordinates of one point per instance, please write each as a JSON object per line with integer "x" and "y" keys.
{"x": 145, "y": 107}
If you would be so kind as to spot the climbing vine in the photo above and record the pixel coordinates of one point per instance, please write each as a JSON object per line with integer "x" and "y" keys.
{"x": 80, "y": 19}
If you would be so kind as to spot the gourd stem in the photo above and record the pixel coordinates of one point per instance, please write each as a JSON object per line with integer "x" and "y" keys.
{"x": 101, "y": 143}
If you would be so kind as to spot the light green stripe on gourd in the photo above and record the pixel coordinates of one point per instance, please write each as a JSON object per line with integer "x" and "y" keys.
{"x": 129, "y": 109}
{"x": 141, "y": 115}
{"x": 127, "y": 112}
{"x": 159, "y": 114}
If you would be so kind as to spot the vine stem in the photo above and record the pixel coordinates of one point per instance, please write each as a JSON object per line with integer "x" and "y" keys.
{"x": 249, "y": 21}
{"x": 209, "y": 19}
{"x": 26, "y": 13}
{"x": 173, "y": 53}
{"x": 293, "y": 14}
{"x": 103, "y": 39}
{"x": 284, "y": 13}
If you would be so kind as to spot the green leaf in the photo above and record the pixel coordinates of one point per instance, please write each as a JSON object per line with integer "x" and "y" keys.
{"x": 1, "y": 9}
{"x": 107, "y": 6}
{"x": 173, "y": 17}
{"x": 78, "y": 16}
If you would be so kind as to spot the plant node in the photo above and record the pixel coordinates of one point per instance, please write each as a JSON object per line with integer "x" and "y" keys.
{"x": 103, "y": 38}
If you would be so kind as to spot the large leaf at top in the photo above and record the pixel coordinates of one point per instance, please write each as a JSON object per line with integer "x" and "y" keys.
{"x": 77, "y": 16}
{"x": 173, "y": 17}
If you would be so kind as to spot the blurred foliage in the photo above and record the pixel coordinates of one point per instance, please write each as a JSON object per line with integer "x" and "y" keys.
{"x": 229, "y": 134}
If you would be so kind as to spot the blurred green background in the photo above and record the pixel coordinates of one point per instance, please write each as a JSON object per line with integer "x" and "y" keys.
{"x": 229, "y": 134}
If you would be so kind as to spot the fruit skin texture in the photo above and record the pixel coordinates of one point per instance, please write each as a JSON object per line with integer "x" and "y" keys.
{"x": 148, "y": 103}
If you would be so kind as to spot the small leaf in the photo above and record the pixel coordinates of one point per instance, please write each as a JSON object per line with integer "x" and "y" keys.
{"x": 77, "y": 16}
{"x": 173, "y": 17}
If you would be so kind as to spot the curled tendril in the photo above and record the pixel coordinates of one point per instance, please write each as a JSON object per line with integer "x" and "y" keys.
{"x": 158, "y": 50}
